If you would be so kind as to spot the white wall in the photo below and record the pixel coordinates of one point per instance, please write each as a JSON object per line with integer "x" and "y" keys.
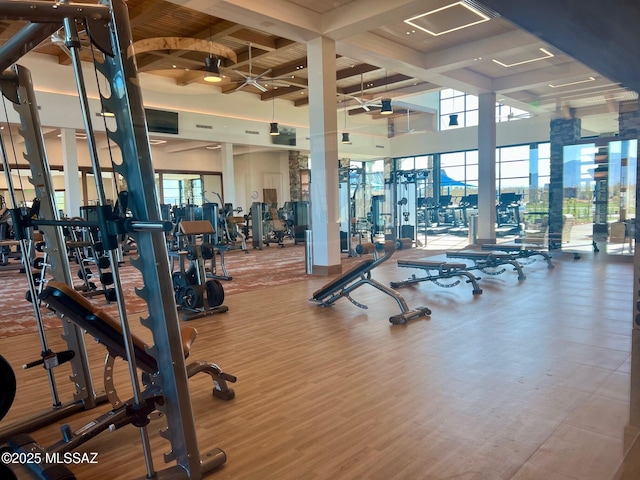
{"x": 250, "y": 170}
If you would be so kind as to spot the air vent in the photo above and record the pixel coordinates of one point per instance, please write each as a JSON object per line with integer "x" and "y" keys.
{"x": 482, "y": 8}
{"x": 379, "y": 146}
{"x": 251, "y": 132}
{"x": 207, "y": 127}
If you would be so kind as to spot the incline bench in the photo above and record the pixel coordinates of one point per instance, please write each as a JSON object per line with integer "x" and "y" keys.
{"x": 486, "y": 261}
{"x": 519, "y": 251}
{"x": 436, "y": 271}
{"x": 70, "y": 304}
{"x": 360, "y": 275}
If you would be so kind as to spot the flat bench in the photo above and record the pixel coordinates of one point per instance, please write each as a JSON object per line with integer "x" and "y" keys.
{"x": 487, "y": 262}
{"x": 360, "y": 275}
{"x": 520, "y": 251}
{"x": 437, "y": 271}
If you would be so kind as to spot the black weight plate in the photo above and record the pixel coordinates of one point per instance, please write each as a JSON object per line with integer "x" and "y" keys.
{"x": 86, "y": 273}
{"x": 106, "y": 278}
{"x": 103, "y": 262}
{"x": 180, "y": 285}
{"x": 8, "y": 387}
{"x": 215, "y": 293}
{"x": 207, "y": 251}
{"x": 38, "y": 263}
{"x": 110, "y": 294}
{"x": 193, "y": 296}
{"x": 192, "y": 275}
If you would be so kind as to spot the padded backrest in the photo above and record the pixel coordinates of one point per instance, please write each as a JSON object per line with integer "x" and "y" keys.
{"x": 66, "y": 301}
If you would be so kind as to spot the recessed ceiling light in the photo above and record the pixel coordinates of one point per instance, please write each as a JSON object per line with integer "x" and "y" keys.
{"x": 431, "y": 25}
{"x": 547, "y": 54}
{"x": 213, "y": 147}
{"x": 156, "y": 141}
{"x": 590, "y": 79}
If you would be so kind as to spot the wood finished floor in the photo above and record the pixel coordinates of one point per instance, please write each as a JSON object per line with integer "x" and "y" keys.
{"x": 530, "y": 380}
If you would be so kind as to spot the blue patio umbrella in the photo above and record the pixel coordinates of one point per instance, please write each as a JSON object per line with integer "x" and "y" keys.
{"x": 447, "y": 181}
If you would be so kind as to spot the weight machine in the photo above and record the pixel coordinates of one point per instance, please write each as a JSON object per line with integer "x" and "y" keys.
{"x": 350, "y": 185}
{"x": 408, "y": 187}
{"x": 107, "y": 24}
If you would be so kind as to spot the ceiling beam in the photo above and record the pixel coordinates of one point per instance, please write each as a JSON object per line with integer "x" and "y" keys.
{"x": 360, "y": 16}
{"x": 279, "y": 92}
{"x": 277, "y": 17}
{"x": 542, "y": 77}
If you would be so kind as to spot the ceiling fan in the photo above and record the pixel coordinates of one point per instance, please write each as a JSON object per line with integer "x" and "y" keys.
{"x": 254, "y": 80}
{"x": 363, "y": 102}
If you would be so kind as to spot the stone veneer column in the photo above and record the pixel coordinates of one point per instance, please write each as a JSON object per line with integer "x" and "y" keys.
{"x": 563, "y": 132}
{"x": 297, "y": 162}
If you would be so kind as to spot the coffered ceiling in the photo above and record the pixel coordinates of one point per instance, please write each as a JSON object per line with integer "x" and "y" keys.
{"x": 395, "y": 49}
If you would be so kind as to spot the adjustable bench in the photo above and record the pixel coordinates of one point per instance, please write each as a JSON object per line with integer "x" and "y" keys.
{"x": 71, "y": 305}
{"x": 437, "y": 271}
{"x": 520, "y": 251}
{"x": 489, "y": 262}
{"x": 360, "y": 275}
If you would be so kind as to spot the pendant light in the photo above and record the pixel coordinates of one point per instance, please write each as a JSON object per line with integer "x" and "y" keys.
{"x": 345, "y": 134}
{"x": 273, "y": 129}
{"x": 211, "y": 64}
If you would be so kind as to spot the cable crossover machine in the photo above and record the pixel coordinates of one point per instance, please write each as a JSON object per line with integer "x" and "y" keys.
{"x": 163, "y": 384}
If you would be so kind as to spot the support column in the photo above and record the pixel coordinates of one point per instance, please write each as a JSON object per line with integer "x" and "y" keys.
{"x": 563, "y": 132}
{"x": 486, "y": 168}
{"x": 296, "y": 163}
{"x": 72, "y": 194}
{"x": 228, "y": 176}
{"x": 323, "y": 124}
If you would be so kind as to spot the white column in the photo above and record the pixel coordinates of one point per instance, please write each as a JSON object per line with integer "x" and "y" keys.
{"x": 72, "y": 192}
{"x": 487, "y": 168}
{"x": 321, "y": 54}
{"x": 228, "y": 176}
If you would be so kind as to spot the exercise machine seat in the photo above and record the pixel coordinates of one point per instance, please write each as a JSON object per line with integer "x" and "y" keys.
{"x": 66, "y": 301}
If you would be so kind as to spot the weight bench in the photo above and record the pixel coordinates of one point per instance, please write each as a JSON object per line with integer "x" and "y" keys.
{"x": 70, "y": 304}
{"x": 520, "y": 251}
{"x": 360, "y": 275}
{"x": 485, "y": 261}
{"x": 437, "y": 271}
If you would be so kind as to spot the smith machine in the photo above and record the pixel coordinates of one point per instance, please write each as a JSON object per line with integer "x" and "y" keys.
{"x": 107, "y": 25}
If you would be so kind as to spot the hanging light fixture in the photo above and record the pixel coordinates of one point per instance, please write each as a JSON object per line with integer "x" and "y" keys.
{"x": 211, "y": 64}
{"x": 345, "y": 134}
{"x": 212, "y": 69}
{"x": 386, "y": 109}
{"x": 453, "y": 120}
{"x": 273, "y": 130}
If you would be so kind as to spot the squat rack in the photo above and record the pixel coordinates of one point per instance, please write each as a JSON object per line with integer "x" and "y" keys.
{"x": 107, "y": 24}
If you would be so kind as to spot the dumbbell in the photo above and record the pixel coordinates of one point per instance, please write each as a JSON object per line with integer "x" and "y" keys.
{"x": 105, "y": 278}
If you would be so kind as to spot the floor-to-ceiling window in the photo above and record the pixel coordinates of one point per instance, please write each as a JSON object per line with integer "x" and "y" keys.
{"x": 458, "y": 173}
{"x": 464, "y": 107}
{"x": 454, "y": 102}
